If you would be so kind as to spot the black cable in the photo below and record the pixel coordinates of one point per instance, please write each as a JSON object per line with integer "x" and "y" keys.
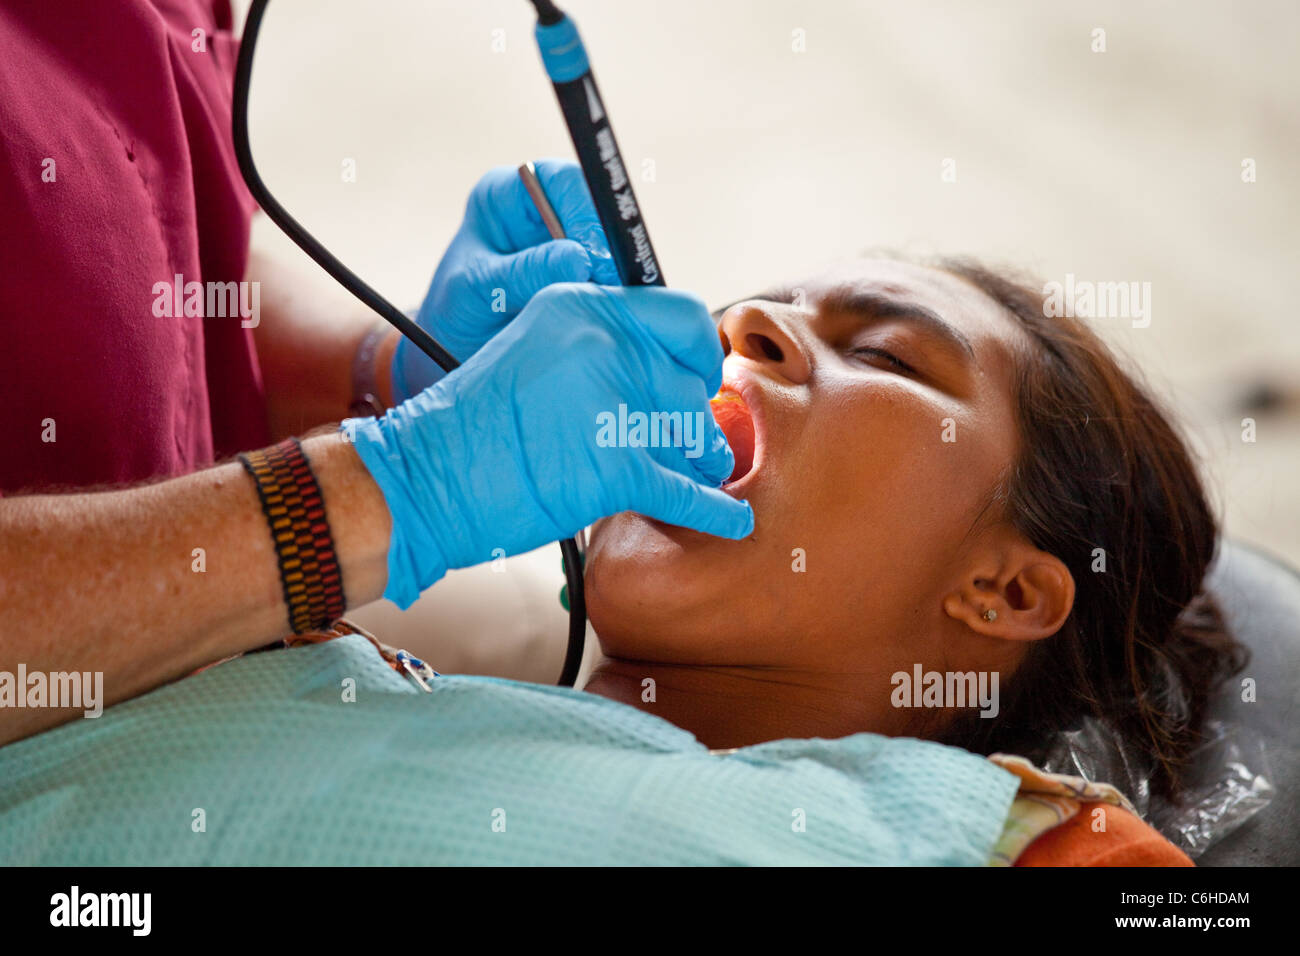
{"x": 280, "y": 216}
{"x": 573, "y": 565}
{"x": 353, "y": 283}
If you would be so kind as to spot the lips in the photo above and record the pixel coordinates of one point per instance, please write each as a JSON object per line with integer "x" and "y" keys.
{"x": 734, "y": 418}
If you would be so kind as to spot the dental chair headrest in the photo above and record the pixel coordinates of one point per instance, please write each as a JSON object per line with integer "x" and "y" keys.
{"x": 1260, "y": 596}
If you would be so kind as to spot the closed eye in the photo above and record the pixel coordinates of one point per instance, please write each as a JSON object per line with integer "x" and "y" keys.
{"x": 887, "y": 356}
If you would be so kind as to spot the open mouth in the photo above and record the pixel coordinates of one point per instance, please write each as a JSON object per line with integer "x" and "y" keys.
{"x": 733, "y": 417}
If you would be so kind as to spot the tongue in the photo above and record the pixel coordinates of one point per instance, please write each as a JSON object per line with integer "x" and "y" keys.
{"x": 732, "y": 416}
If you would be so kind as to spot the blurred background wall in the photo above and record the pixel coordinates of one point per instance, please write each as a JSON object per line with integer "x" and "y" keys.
{"x": 772, "y": 135}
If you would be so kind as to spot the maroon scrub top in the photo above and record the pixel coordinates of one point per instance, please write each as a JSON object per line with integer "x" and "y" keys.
{"x": 117, "y": 173}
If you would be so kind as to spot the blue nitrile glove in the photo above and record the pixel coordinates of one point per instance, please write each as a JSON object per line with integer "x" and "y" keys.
{"x": 501, "y": 256}
{"x": 508, "y": 451}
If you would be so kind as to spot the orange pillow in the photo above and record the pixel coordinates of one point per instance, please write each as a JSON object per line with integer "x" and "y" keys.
{"x": 1126, "y": 841}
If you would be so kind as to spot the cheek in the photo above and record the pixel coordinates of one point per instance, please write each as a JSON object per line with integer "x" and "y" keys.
{"x": 880, "y": 493}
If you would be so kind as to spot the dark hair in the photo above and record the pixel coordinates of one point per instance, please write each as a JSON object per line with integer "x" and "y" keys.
{"x": 1103, "y": 475}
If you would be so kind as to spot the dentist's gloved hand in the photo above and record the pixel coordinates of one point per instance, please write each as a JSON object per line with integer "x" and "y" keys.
{"x": 500, "y": 258}
{"x": 507, "y": 451}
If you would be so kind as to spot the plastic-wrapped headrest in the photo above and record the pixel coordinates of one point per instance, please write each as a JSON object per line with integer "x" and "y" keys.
{"x": 1227, "y": 783}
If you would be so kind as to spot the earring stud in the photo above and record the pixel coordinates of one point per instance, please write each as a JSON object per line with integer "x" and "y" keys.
{"x": 990, "y": 615}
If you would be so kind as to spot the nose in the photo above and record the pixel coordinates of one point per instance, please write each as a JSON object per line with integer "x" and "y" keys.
{"x": 749, "y": 329}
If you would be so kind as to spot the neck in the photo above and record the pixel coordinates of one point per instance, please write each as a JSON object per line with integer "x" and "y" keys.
{"x": 727, "y": 707}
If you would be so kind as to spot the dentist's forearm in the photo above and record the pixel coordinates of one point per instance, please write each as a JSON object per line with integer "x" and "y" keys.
{"x": 116, "y": 582}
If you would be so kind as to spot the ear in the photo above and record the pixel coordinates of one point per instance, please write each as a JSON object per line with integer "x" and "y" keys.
{"x": 1030, "y": 592}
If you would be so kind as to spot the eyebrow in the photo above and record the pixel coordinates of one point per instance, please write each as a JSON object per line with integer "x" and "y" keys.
{"x": 873, "y": 305}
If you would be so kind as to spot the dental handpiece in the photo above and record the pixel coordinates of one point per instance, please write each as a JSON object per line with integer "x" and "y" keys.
{"x": 566, "y": 63}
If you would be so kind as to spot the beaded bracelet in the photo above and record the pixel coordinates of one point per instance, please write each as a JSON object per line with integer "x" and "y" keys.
{"x": 304, "y": 547}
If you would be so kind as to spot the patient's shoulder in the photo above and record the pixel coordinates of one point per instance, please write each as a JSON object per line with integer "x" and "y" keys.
{"x": 1116, "y": 837}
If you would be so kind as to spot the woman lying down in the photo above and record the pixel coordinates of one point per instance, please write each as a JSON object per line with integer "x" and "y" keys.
{"x": 972, "y": 530}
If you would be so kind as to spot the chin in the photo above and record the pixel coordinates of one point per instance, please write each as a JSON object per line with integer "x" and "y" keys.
{"x": 631, "y": 559}
{"x": 645, "y": 577}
